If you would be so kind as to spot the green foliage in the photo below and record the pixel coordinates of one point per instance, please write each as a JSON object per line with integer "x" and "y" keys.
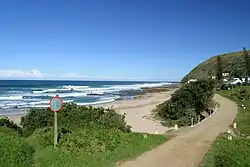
{"x": 15, "y": 152}
{"x": 187, "y": 102}
{"x": 228, "y": 153}
{"x": 225, "y": 86}
{"x": 243, "y": 116}
{"x": 219, "y": 69}
{"x": 100, "y": 140}
{"x": 91, "y": 139}
{"x": 124, "y": 146}
{"x": 72, "y": 117}
{"x": 5, "y": 122}
{"x": 242, "y": 93}
{"x": 247, "y": 61}
{"x": 232, "y": 63}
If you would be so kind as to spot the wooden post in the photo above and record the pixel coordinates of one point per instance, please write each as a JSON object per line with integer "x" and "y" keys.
{"x": 192, "y": 122}
{"x": 199, "y": 119}
{"x": 229, "y": 137}
{"x": 176, "y": 127}
{"x": 55, "y": 129}
{"x": 235, "y": 125}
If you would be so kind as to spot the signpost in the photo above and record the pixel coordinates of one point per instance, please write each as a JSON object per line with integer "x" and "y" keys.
{"x": 55, "y": 106}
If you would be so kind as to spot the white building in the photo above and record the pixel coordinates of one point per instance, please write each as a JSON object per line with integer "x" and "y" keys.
{"x": 225, "y": 74}
{"x": 192, "y": 80}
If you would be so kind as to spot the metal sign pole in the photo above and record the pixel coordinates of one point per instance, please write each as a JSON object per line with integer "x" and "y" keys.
{"x": 55, "y": 129}
{"x": 55, "y": 106}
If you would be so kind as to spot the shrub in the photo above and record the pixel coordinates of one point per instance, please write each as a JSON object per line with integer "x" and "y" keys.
{"x": 72, "y": 117}
{"x": 90, "y": 139}
{"x": 188, "y": 102}
{"x": 42, "y": 138}
{"x": 100, "y": 140}
{"x": 15, "y": 152}
{"x": 5, "y": 122}
{"x": 242, "y": 94}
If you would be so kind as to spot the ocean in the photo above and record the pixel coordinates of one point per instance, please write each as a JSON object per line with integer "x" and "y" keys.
{"x": 18, "y": 95}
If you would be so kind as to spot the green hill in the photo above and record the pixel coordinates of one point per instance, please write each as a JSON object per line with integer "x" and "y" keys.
{"x": 233, "y": 63}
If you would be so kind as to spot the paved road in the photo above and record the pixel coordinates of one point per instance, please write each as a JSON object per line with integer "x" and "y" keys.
{"x": 188, "y": 149}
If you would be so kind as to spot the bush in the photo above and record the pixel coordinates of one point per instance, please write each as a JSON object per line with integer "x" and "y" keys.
{"x": 72, "y": 117}
{"x": 242, "y": 94}
{"x": 225, "y": 86}
{"x": 100, "y": 140}
{"x": 15, "y": 152}
{"x": 5, "y": 122}
{"x": 188, "y": 102}
{"x": 89, "y": 139}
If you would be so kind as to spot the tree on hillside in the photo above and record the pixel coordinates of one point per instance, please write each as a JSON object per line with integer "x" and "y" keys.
{"x": 247, "y": 62}
{"x": 219, "y": 69}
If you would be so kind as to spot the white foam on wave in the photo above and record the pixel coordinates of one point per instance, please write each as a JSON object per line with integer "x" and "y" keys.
{"x": 49, "y": 91}
{"x": 11, "y": 98}
{"x": 138, "y": 86}
{"x": 74, "y": 87}
{"x": 84, "y": 90}
{"x": 97, "y": 102}
{"x": 116, "y": 88}
{"x": 70, "y": 94}
{"x": 40, "y": 106}
{"x": 59, "y": 94}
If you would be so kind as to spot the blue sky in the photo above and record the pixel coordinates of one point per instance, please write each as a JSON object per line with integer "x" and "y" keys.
{"x": 117, "y": 39}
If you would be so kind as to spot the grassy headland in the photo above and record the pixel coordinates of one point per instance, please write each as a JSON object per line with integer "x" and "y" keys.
{"x": 235, "y": 152}
{"x": 232, "y": 63}
{"x": 89, "y": 137}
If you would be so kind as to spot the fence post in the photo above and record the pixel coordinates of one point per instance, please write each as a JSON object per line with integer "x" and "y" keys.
{"x": 176, "y": 127}
{"x": 192, "y": 122}
{"x": 229, "y": 137}
{"x": 235, "y": 125}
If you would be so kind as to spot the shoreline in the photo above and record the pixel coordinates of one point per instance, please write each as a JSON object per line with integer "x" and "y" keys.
{"x": 138, "y": 111}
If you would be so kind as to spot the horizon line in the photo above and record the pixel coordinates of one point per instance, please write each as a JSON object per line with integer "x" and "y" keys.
{"x": 89, "y": 80}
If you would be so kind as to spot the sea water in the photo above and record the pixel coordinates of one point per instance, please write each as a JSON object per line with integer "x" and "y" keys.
{"x": 18, "y": 95}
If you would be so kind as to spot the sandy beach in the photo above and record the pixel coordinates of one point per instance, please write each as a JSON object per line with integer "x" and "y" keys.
{"x": 138, "y": 112}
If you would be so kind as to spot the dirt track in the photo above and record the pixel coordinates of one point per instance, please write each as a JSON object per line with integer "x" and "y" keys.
{"x": 188, "y": 149}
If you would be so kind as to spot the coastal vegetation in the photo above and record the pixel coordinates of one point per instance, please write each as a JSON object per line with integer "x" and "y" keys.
{"x": 235, "y": 152}
{"x": 88, "y": 136}
{"x": 219, "y": 69}
{"x": 188, "y": 103}
{"x": 235, "y": 63}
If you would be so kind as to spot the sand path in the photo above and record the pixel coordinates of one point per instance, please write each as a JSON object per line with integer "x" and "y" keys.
{"x": 188, "y": 149}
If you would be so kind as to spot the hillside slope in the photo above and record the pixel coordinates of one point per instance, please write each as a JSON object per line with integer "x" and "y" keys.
{"x": 233, "y": 63}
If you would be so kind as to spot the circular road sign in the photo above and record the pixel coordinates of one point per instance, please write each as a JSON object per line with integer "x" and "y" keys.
{"x": 55, "y": 104}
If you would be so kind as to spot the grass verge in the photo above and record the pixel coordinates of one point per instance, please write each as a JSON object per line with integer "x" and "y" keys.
{"x": 232, "y": 153}
{"x": 135, "y": 145}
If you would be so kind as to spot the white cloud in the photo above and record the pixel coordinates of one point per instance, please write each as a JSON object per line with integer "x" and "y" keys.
{"x": 13, "y": 73}
{"x": 73, "y": 75}
{"x": 36, "y": 74}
